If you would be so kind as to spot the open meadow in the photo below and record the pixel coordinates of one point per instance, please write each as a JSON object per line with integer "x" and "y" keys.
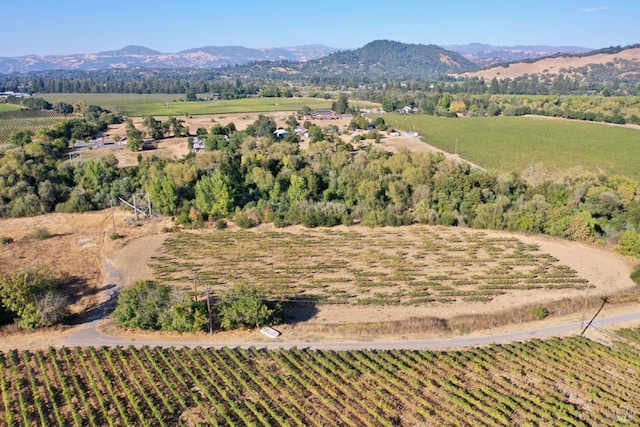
{"x": 534, "y": 147}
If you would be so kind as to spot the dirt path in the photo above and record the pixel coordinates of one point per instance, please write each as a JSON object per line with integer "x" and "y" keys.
{"x": 413, "y": 143}
{"x": 628, "y": 317}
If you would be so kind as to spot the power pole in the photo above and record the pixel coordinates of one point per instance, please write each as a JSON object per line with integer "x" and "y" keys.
{"x": 209, "y": 310}
{"x": 113, "y": 217}
{"x": 195, "y": 286}
{"x": 135, "y": 207}
{"x": 604, "y": 301}
{"x": 584, "y": 309}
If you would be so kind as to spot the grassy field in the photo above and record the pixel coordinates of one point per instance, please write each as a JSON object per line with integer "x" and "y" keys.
{"x": 9, "y": 107}
{"x": 164, "y": 105}
{"x": 572, "y": 382}
{"x": 514, "y": 144}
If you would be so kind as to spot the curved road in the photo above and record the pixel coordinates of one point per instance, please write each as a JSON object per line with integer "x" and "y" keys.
{"x": 91, "y": 336}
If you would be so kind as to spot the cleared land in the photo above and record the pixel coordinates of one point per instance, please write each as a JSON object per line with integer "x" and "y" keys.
{"x": 572, "y": 381}
{"x": 534, "y": 147}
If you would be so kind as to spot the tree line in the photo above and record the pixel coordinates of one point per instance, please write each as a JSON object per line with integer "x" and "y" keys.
{"x": 251, "y": 174}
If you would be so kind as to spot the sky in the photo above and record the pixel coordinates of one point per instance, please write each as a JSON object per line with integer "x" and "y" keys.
{"x": 62, "y": 27}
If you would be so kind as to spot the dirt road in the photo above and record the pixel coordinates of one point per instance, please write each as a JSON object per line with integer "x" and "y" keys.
{"x": 92, "y": 337}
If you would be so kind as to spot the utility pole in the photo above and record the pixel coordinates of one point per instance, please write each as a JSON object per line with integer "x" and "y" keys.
{"x": 209, "y": 310}
{"x": 113, "y": 217}
{"x": 135, "y": 207}
{"x": 195, "y": 286}
{"x": 604, "y": 301}
{"x": 584, "y": 309}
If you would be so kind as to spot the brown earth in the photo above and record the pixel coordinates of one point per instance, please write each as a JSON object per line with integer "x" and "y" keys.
{"x": 552, "y": 65}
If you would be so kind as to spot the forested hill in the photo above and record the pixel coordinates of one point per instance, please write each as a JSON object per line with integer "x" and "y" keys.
{"x": 380, "y": 60}
{"x": 390, "y": 59}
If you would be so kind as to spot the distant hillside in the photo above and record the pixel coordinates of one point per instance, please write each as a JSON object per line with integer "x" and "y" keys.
{"x": 392, "y": 59}
{"x": 380, "y": 59}
{"x": 140, "y": 56}
{"x": 610, "y": 64}
{"x": 485, "y": 54}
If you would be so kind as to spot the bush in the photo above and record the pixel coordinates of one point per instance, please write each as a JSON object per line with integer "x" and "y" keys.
{"x": 635, "y": 274}
{"x": 540, "y": 312}
{"x": 244, "y": 305}
{"x": 5, "y": 240}
{"x": 142, "y": 305}
{"x": 33, "y": 297}
{"x": 221, "y": 224}
{"x": 40, "y": 234}
{"x": 185, "y": 316}
{"x": 629, "y": 243}
{"x": 242, "y": 220}
{"x": 115, "y": 236}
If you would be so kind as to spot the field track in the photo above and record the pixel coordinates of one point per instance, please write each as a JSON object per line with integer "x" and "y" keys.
{"x": 92, "y": 337}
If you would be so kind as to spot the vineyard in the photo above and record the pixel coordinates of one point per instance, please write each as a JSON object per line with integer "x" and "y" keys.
{"x": 34, "y": 121}
{"x": 386, "y": 267}
{"x": 544, "y": 146}
{"x": 572, "y": 381}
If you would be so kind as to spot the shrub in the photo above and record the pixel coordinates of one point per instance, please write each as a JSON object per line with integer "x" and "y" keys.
{"x": 242, "y": 220}
{"x": 540, "y": 312}
{"x": 40, "y": 234}
{"x": 185, "y": 316}
{"x": 34, "y": 297}
{"x": 245, "y": 305}
{"x": 115, "y": 236}
{"x": 635, "y": 274}
{"x": 221, "y": 224}
{"x": 142, "y": 305}
{"x": 5, "y": 240}
{"x": 629, "y": 243}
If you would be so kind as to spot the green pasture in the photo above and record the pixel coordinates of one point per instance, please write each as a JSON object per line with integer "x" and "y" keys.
{"x": 9, "y": 107}
{"x": 514, "y": 144}
{"x": 171, "y": 104}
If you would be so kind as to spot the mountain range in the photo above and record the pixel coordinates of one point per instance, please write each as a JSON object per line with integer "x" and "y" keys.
{"x": 140, "y": 56}
{"x": 466, "y": 56}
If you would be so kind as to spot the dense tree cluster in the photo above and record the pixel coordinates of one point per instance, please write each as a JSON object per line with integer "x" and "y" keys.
{"x": 251, "y": 177}
{"x": 154, "y": 306}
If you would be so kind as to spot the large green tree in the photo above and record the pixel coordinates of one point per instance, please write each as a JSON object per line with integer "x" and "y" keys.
{"x": 341, "y": 105}
{"x": 245, "y": 305}
{"x": 134, "y": 136}
{"x": 213, "y": 195}
{"x": 142, "y": 305}
{"x": 164, "y": 194}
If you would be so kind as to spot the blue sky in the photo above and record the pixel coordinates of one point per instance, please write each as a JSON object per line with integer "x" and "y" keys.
{"x": 61, "y": 27}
